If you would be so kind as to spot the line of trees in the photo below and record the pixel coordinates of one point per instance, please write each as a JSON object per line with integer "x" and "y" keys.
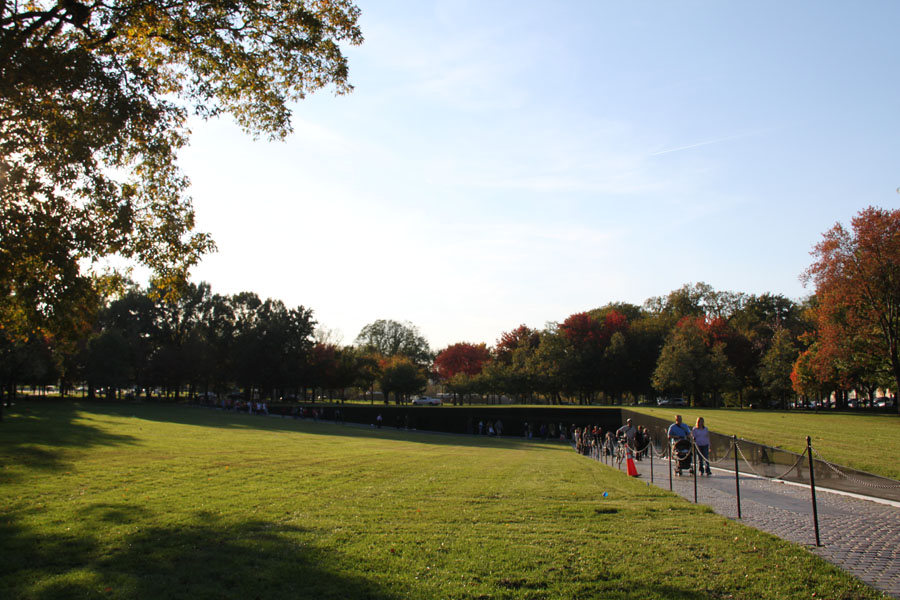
{"x": 719, "y": 347}
{"x": 712, "y": 347}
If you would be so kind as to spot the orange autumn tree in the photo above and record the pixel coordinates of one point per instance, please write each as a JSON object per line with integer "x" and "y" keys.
{"x": 857, "y": 280}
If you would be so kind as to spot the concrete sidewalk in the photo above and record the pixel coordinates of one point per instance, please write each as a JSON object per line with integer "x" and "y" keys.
{"x": 860, "y": 536}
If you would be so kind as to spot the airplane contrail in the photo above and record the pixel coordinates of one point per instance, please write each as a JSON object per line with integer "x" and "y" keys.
{"x": 697, "y": 145}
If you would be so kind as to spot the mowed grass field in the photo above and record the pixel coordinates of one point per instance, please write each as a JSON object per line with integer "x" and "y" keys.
{"x": 868, "y": 442}
{"x": 147, "y": 501}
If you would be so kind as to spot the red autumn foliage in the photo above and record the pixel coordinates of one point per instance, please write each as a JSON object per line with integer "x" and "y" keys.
{"x": 857, "y": 279}
{"x": 584, "y": 331}
{"x": 581, "y": 330}
{"x": 510, "y": 340}
{"x": 615, "y": 321}
{"x": 461, "y": 358}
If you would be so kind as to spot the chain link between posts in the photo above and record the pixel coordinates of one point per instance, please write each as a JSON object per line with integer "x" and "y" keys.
{"x": 833, "y": 467}
{"x": 757, "y": 473}
{"x": 617, "y": 453}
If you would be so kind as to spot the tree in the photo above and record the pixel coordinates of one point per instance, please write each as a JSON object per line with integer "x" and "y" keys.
{"x": 107, "y": 363}
{"x": 94, "y": 103}
{"x": 807, "y": 378}
{"x": 777, "y": 365}
{"x": 857, "y": 279}
{"x": 136, "y": 316}
{"x": 586, "y": 366}
{"x": 179, "y": 351}
{"x": 465, "y": 358}
{"x": 510, "y": 340}
{"x": 399, "y": 374}
{"x": 273, "y": 344}
{"x": 691, "y": 361}
{"x": 391, "y": 338}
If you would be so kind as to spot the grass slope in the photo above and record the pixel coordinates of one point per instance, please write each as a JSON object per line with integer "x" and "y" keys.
{"x": 144, "y": 501}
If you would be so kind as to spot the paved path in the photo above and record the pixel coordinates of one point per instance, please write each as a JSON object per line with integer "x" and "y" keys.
{"x": 860, "y": 536}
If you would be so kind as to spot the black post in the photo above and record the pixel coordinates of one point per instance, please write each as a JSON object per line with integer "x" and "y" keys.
{"x": 669, "y": 452}
{"x": 737, "y": 474}
{"x": 812, "y": 488}
{"x": 694, "y": 469}
{"x": 650, "y": 449}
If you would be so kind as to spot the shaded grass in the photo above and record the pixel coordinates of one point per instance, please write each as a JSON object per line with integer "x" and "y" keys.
{"x": 218, "y": 505}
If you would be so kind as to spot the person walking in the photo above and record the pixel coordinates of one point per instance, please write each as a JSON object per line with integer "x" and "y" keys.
{"x": 627, "y": 433}
{"x": 679, "y": 436}
{"x": 701, "y": 440}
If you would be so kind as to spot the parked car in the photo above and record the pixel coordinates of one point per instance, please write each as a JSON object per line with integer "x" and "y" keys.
{"x": 426, "y": 401}
{"x": 884, "y": 402}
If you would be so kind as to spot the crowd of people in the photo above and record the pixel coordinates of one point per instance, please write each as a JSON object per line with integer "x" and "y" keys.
{"x": 594, "y": 441}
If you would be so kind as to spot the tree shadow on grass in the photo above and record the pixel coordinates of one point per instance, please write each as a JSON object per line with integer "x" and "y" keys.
{"x": 210, "y": 417}
{"x": 207, "y": 558}
{"x": 126, "y": 552}
{"x": 32, "y": 435}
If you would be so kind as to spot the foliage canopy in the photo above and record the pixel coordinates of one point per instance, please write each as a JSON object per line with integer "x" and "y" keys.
{"x": 857, "y": 279}
{"x": 94, "y": 102}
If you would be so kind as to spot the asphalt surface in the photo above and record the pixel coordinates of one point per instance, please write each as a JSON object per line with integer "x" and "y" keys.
{"x": 859, "y": 535}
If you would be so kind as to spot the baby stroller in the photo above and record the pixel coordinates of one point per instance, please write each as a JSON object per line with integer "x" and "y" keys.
{"x": 681, "y": 453}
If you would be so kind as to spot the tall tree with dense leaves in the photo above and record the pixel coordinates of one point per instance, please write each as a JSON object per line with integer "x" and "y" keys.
{"x": 401, "y": 375}
{"x": 691, "y": 361}
{"x": 392, "y": 338}
{"x": 857, "y": 278}
{"x": 510, "y": 340}
{"x": 777, "y": 365}
{"x": 585, "y": 359}
{"x": 94, "y": 103}
{"x": 461, "y": 358}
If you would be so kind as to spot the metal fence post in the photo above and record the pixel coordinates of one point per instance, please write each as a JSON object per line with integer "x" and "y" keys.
{"x": 812, "y": 487}
{"x": 694, "y": 468}
{"x": 737, "y": 474}
{"x": 669, "y": 453}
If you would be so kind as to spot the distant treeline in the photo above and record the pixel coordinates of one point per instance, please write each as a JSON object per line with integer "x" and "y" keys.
{"x": 708, "y": 346}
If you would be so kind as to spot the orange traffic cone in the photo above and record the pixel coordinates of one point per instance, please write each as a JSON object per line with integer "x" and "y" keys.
{"x": 632, "y": 470}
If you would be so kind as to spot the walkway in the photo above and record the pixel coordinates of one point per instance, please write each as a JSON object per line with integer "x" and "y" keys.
{"x": 860, "y": 536}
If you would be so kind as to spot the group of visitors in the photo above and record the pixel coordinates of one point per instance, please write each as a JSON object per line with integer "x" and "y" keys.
{"x": 594, "y": 441}
{"x": 492, "y": 429}
{"x": 546, "y": 431}
{"x": 248, "y": 406}
{"x": 635, "y": 438}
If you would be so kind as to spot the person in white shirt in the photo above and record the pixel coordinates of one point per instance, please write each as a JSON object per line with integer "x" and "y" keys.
{"x": 701, "y": 440}
{"x": 627, "y": 432}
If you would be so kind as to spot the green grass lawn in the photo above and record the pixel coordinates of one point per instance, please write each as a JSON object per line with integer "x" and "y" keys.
{"x": 869, "y": 442}
{"x": 146, "y": 501}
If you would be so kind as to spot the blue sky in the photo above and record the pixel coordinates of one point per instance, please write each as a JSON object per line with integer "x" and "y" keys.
{"x": 502, "y": 163}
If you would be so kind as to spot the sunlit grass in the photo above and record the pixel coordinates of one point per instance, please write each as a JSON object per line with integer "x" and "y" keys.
{"x": 154, "y": 502}
{"x": 869, "y": 442}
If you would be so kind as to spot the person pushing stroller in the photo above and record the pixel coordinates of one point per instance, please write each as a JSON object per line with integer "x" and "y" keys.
{"x": 679, "y": 436}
